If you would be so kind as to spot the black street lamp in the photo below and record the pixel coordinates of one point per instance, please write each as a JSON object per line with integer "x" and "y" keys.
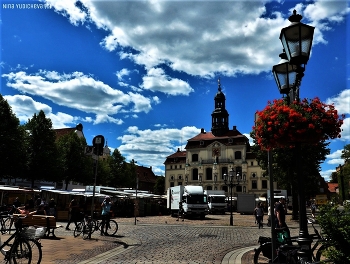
{"x": 297, "y": 42}
{"x": 231, "y": 182}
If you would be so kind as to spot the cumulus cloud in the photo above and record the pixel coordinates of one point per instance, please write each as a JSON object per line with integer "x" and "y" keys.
{"x": 79, "y": 91}
{"x": 24, "y": 107}
{"x": 156, "y": 80}
{"x": 191, "y": 37}
{"x": 341, "y": 102}
{"x": 150, "y": 146}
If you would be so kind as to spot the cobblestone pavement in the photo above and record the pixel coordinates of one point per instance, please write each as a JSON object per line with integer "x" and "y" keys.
{"x": 164, "y": 240}
{"x": 159, "y": 239}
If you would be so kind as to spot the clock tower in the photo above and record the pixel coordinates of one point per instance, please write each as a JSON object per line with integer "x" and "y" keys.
{"x": 219, "y": 123}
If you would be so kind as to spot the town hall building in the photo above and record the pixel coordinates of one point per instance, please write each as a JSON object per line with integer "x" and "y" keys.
{"x": 211, "y": 155}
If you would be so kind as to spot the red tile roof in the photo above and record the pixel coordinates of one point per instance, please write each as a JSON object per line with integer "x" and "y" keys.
{"x": 332, "y": 187}
{"x": 63, "y": 131}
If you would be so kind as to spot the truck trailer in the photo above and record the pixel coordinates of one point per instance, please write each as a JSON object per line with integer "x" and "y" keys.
{"x": 216, "y": 201}
{"x": 246, "y": 203}
{"x": 194, "y": 202}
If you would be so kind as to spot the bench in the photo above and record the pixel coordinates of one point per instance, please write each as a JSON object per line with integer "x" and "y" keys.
{"x": 40, "y": 221}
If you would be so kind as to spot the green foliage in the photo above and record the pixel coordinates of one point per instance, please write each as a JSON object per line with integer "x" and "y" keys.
{"x": 335, "y": 225}
{"x": 159, "y": 187}
{"x": 285, "y": 169}
{"x": 74, "y": 165}
{"x": 12, "y": 143}
{"x": 116, "y": 164}
{"x": 41, "y": 149}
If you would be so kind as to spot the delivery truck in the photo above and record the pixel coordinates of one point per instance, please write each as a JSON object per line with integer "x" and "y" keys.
{"x": 216, "y": 201}
{"x": 194, "y": 202}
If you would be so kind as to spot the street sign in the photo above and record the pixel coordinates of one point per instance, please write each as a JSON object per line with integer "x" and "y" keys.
{"x": 98, "y": 143}
{"x": 89, "y": 150}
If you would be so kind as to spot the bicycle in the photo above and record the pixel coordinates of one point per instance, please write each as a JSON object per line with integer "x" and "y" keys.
{"x": 286, "y": 251}
{"x": 16, "y": 248}
{"x": 33, "y": 236}
{"x": 86, "y": 226}
{"x": 112, "y": 226}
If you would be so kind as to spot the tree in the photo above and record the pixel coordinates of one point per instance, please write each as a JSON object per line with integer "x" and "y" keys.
{"x": 42, "y": 149}
{"x": 346, "y": 153}
{"x": 335, "y": 225}
{"x": 12, "y": 145}
{"x": 159, "y": 187}
{"x": 284, "y": 167}
{"x": 74, "y": 164}
{"x": 117, "y": 170}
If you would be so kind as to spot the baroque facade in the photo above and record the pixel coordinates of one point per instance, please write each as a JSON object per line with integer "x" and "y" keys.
{"x": 210, "y": 156}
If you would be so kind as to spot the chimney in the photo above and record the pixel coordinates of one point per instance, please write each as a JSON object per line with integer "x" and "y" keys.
{"x": 178, "y": 149}
{"x": 202, "y": 131}
{"x": 234, "y": 128}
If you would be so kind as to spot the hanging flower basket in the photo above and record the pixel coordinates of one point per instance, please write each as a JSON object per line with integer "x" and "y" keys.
{"x": 308, "y": 122}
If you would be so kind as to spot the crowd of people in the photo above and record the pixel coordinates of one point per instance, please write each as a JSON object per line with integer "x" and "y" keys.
{"x": 35, "y": 206}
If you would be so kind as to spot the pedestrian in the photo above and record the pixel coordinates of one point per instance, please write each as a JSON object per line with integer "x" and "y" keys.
{"x": 17, "y": 203}
{"x": 181, "y": 212}
{"x": 259, "y": 213}
{"x": 52, "y": 207}
{"x": 313, "y": 210}
{"x": 74, "y": 212}
{"x": 24, "y": 210}
{"x": 39, "y": 211}
{"x": 269, "y": 216}
{"x": 281, "y": 216}
{"x": 106, "y": 214}
{"x": 30, "y": 202}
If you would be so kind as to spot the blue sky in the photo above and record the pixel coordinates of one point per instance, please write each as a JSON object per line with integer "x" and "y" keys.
{"x": 144, "y": 73}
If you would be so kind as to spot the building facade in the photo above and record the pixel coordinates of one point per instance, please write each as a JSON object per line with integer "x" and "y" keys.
{"x": 210, "y": 156}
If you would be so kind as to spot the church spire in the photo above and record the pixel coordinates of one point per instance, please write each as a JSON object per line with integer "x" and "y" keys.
{"x": 219, "y": 125}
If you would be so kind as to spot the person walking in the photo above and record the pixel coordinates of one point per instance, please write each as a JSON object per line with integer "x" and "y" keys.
{"x": 280, "y": 212}
{"x": 269, "y": 216}
{"x": 52, "y": 207}
{"x": 313, "y": 209}
{"x": 74, "y": 212}
{"x": 106, "y": 209}
{"x": 259, "y": 213}
{"x": 181, "y": 212}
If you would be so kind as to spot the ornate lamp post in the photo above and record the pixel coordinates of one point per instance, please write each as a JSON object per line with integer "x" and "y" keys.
{"x": 231, "y": 182}
{"x": 297, "y": 42}
{"x": 215, "y": 181}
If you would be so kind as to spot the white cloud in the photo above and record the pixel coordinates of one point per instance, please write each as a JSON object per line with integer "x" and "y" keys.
{"x": 94, "y": 96}
{"x": 156, "y": 80}
{"x": 189, "y": 37}
{"x": 68, "y": 9}
{"x": 327, "y": 174}
{"x": 25, "y": 107}
{"x": 341, "y": 102}
{"x": 149, "y": 147}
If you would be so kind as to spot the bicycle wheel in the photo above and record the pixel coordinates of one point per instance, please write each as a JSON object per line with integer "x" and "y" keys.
{"x": 8, "y": 225}
{"x": 112, "y": 228}
{"x": 78, "y": 229}
{"x": 3, "y": 227}
{"x": 263, "y": 254}
{"x": 320, "y": 253}
{"x": 37, "y": 252}
{"x": 20, "y": 252}
{"x": 88, "y": 228}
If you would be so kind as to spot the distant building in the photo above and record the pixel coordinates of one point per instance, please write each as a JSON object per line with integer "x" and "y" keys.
{"x": 211, "y": 155}
{"x": 146, "y": 177}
